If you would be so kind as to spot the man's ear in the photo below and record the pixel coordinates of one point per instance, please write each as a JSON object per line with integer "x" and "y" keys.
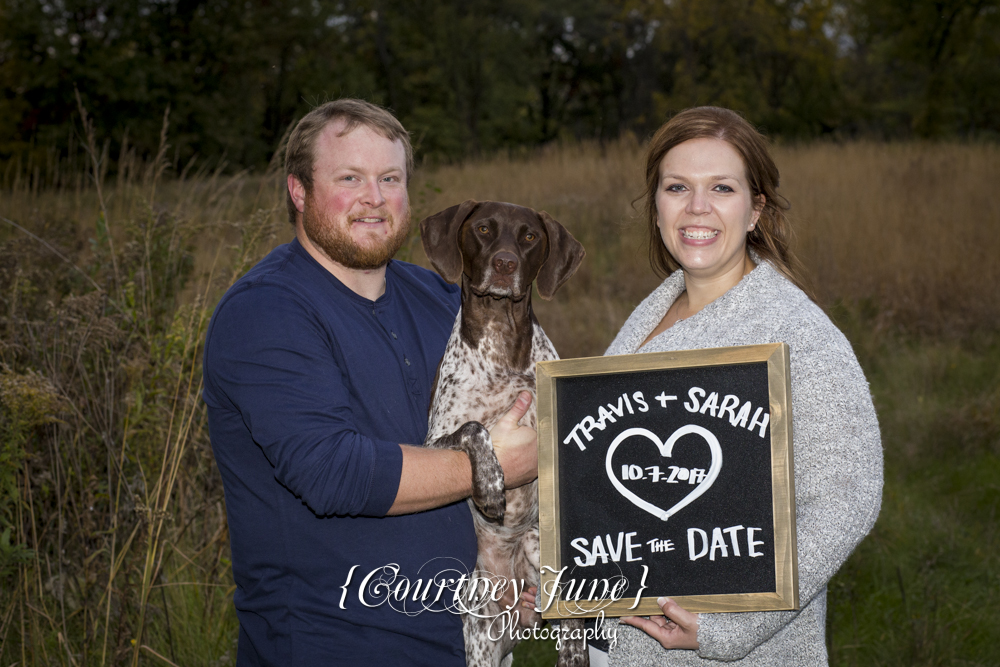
{"x": 439, "y": 233}
{"x": 565, "y": 255}
{"x": 297, "y": 193}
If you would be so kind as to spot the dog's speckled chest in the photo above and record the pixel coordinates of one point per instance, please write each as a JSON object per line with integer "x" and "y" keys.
{"x": 474, "y": 384}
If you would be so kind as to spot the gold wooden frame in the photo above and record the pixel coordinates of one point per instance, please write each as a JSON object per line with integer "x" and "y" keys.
{"x": 786, "y": 595}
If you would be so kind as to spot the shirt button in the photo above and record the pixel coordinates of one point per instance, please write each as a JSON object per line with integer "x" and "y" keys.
{"x": 406, "y": 360}
{"x": 393, "y": 335}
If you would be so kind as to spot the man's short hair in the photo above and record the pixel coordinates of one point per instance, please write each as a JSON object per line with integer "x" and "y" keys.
{"x": 300, "y": 153}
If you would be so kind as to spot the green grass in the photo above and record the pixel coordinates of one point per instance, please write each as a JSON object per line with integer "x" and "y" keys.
{"x": 536, "y": 653}
{"x": 924, "y": 587}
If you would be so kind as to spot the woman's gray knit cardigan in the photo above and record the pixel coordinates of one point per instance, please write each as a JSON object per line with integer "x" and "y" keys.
{"x": 837, "y": 455}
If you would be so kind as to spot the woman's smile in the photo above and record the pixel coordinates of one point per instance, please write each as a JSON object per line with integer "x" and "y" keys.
{"x": 699, "y": 233}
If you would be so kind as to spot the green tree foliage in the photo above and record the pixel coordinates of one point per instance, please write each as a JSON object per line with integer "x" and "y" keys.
{"x": 480, "y": 75}
{"x": 774, "y": 61}
{"x": 927, "y": 67}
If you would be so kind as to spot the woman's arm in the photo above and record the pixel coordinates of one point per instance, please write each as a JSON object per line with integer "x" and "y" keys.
{"x": 838, "y": 477}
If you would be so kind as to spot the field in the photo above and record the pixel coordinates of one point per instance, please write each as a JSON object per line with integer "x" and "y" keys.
{"x": 113, "y": 543}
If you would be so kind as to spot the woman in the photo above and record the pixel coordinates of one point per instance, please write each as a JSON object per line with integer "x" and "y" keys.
{"x": 717, "y": 227}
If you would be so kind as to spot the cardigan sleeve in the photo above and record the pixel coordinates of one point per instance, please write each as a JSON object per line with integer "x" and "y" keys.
{"x": 838, "y": 477}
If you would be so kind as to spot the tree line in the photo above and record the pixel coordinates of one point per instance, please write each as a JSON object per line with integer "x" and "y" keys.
{"x": 478, "y": 76}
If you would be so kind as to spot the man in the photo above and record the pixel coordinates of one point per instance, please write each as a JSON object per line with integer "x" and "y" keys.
{"x": 319, "y": 363}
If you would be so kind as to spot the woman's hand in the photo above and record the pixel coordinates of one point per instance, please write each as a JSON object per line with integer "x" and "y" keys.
{"x": 677, "y": 628}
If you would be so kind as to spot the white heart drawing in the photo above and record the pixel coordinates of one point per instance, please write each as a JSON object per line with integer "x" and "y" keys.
{"x": 665, "y": 450}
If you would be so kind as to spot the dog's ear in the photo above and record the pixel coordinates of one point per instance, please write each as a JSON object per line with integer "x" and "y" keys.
{"x": 439, "y": 234}
{"x": 565, "y": 255}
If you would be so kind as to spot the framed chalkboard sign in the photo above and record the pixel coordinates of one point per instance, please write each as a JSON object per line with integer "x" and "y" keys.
{"x": 667, "y": 474}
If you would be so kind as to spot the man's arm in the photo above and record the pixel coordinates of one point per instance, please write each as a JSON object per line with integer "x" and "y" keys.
{"x": 435, "y": 477}
{"x": 270, "y": 358}
{"x": 293, "y": 398}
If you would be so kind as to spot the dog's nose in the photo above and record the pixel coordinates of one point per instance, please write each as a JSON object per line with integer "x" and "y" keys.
{"x": 505, "y": 263}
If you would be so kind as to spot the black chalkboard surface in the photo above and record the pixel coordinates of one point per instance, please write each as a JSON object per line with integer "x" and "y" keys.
{"x": 667, "y": 474}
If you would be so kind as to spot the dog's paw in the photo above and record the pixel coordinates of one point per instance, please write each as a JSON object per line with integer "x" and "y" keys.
{"x": 487, "y": 475}
{"x": 493, "y": 505}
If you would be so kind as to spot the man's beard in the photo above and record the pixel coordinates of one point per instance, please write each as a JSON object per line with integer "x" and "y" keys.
{"x": 333, "y": 237}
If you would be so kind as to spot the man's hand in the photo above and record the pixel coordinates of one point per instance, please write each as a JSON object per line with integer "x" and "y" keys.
{"x": 516, "y": 446}
{"x": 677, "y": 628}
{"x": 435, "y": 477}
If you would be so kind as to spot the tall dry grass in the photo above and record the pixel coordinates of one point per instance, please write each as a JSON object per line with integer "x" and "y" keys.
{"x": 909, "y": 230}
{"x": 913, "y": 228}
{"x": 113, "y": 542}
{"x": 113, "y": 537}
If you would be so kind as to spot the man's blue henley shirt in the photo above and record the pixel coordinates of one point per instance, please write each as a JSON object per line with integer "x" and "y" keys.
{"x": 310, "y": 390}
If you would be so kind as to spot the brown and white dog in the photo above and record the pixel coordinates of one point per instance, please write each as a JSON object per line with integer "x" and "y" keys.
{"x": 497, "y": 251}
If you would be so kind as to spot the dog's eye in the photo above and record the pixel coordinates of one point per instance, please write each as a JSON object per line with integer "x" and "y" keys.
{"x": 483, "y": 229}
{"x": 530, "y": 237}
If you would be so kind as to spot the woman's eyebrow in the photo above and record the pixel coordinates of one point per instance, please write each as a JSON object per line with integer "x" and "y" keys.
{"x": 714, "y": 177}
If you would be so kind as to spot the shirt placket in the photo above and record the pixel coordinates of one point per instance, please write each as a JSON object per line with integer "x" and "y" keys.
{"x": 403, "y": 349}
